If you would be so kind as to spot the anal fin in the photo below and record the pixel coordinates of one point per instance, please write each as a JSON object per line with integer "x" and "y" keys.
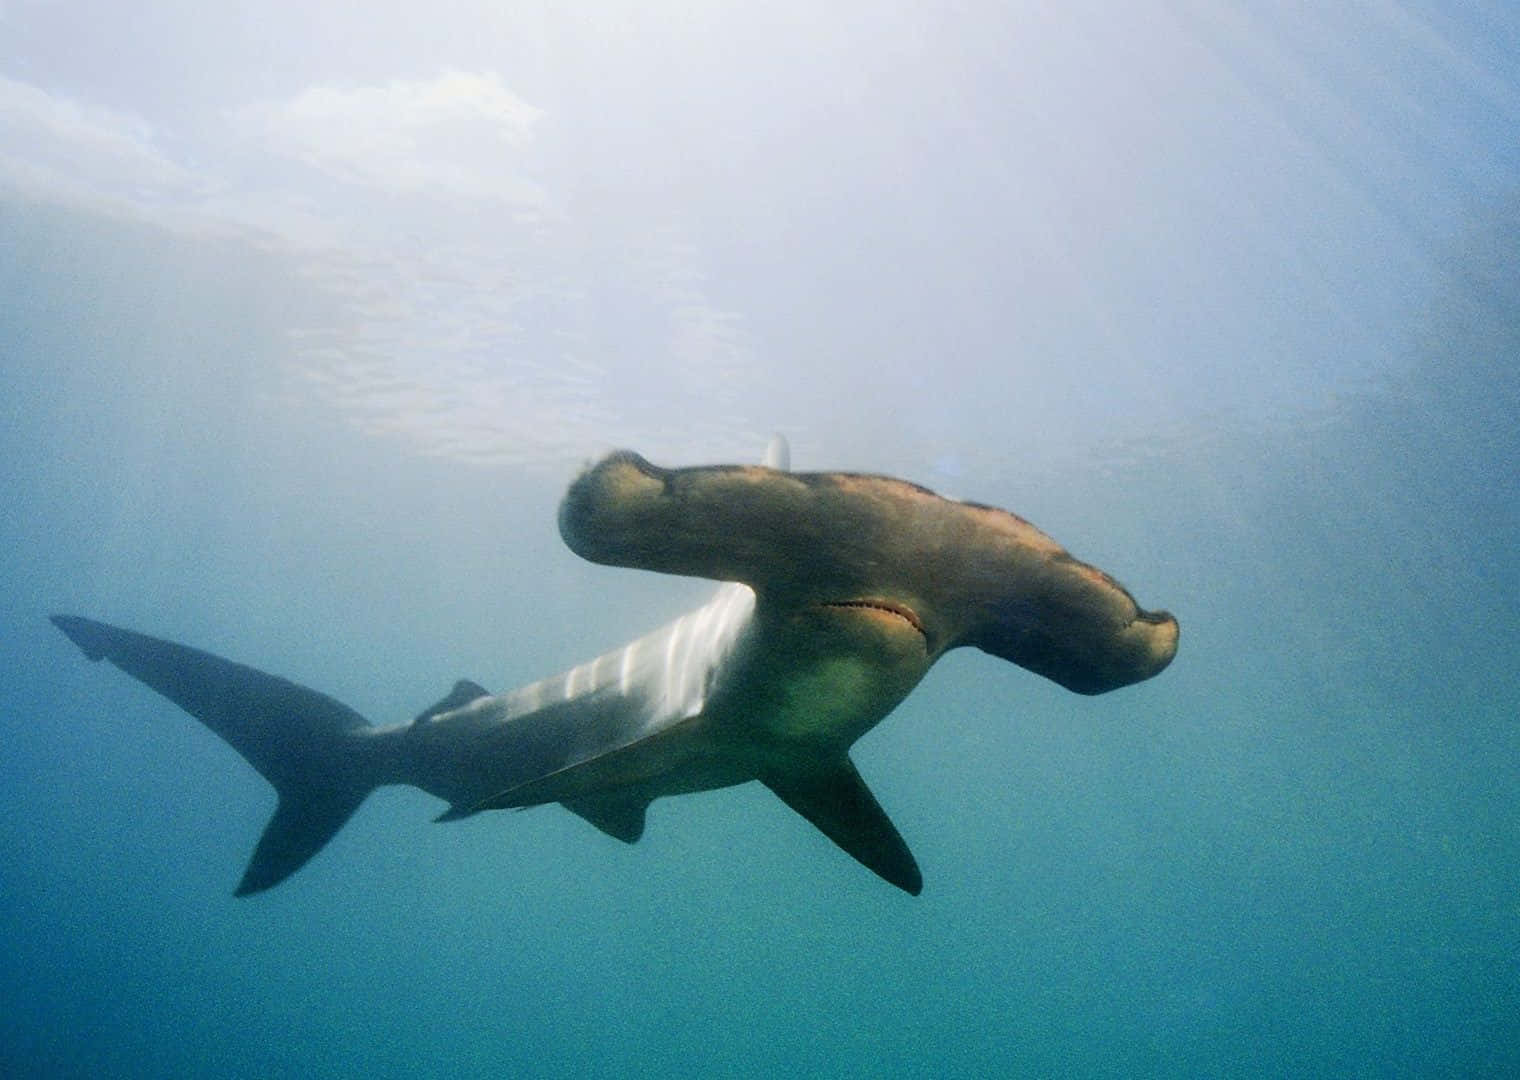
{"x": 835, "y": 799}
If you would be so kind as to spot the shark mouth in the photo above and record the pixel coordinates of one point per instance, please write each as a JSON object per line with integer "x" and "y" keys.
{"x": 905, "y": 614}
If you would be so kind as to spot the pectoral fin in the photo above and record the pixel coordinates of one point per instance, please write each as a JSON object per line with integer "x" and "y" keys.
{"x": 835, "y": 798}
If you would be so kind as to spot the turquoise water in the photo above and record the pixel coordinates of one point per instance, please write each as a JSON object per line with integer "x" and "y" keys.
{"x": 1255, "y": 356}
{"x": 1293, "y": 853}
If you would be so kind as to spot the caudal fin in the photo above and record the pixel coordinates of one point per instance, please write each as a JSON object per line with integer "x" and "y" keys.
{"x": 299, "y": 740}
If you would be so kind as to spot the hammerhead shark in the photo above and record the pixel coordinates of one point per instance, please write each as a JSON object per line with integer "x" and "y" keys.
{"x": 840, "y": 591}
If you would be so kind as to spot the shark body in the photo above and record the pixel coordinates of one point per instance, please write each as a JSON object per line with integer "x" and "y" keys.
{"x": 840, "y": 591}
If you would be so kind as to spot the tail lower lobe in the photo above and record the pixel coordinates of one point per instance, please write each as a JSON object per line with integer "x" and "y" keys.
{"x": 298, "y": 739}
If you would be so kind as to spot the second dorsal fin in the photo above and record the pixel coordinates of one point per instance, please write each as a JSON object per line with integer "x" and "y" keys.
{"x": 463, "y": 693}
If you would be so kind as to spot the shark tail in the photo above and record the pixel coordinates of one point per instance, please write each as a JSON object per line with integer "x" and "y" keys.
{"x": 303, "y": 742}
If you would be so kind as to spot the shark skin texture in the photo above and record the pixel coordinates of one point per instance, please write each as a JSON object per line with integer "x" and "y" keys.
{"x": 840, "y": 591}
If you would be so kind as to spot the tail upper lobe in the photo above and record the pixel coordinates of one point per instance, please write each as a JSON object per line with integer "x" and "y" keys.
{"x": 301, "y": 741}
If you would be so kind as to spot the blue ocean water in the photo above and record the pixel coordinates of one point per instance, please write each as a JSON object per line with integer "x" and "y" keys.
{"x": 303, "y": 336}
{"x": 1293, "y": 853}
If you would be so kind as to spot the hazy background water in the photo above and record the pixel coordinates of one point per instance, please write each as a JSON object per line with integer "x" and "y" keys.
{"x": 307, "y": 318}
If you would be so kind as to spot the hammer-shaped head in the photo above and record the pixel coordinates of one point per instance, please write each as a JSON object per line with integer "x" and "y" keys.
{"x": 959, "y": 573}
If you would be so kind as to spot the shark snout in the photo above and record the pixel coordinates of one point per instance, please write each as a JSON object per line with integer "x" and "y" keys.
{"x": 1095, "y": 657}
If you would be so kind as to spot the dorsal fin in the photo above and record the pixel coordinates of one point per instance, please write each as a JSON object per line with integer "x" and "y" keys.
{"x": 463, "y": 693}
{"x": 833, "y": 797}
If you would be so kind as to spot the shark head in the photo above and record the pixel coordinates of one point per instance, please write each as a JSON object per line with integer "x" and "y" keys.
{"x": 1062, "y": 618}
{"x": 879, "y": 553}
